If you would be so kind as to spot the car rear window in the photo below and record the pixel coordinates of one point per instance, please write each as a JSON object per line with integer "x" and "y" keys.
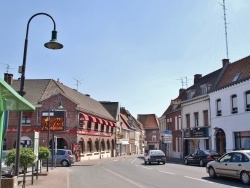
{"x": 248, "y": 154}
{"x": 69, "y": 152}
{"x": 156, "y": 153}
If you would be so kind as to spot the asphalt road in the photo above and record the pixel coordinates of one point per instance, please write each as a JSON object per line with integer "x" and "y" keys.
{"x": 130, "y": 171}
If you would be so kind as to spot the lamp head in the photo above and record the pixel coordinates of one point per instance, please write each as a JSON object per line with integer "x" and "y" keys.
{"x": 60, "y": 106}
{"x": 53, "y": 43}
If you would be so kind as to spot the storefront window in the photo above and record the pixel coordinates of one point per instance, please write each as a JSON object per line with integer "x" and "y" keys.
{"x": 242, "y": 140}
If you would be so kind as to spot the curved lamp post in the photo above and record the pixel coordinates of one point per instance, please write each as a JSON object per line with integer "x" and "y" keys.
{"x": 52, "y": 44}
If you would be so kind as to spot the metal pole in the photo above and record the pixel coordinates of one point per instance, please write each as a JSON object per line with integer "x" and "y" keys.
{"x": 21, "y": 92}
{"x": 48, "y": 135}
{"x": 53, "y": 150}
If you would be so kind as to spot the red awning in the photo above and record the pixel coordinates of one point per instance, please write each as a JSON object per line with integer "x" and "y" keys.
{"x": 114, "y": 124}
{"x": 105, "y": 122}
{"x": 99, "y": 120}
{"x": 110, "y": 123}
{"x": 92, "y": 118}
{"x": 83, "y": 117}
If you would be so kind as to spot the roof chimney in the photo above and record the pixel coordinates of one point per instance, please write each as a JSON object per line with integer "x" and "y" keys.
{"x": 197, "y": 78}
{"x": 181, "y": 90}
{"x": 224, "y": 62}
{"x": 88, "y": 95}
{"x": 8, "y": 78}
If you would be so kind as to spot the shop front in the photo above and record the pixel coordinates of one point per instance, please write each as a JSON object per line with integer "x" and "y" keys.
{"x": 195, "y": 138}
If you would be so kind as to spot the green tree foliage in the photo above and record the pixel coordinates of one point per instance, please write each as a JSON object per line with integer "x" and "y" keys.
{"x": 43, "y": 153}
{"x": 27, "y": 158}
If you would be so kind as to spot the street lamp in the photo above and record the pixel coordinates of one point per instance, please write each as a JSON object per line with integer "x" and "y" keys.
{"x": 52, "y": 44}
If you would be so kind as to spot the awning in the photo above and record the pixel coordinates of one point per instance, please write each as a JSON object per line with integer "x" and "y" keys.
{"x": 99, "y": 120}
{"x": 83, "y": 117}
{"x": 105, "y": 122}
{"x": 114, "y": 124}
{"x": 92, "y": 118}
{"x": 110, "y": 123}
{"x": 201, "y": 138}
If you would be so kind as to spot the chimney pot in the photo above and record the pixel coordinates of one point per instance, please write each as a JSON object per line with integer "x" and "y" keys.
{"x": 8, "y": 78}
{"x": 224, "y": 62}
{"x": 197, "y": 78}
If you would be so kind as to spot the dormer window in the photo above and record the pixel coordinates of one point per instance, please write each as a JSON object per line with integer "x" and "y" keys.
{"x": 237, "y": 75}
{"x": 205, "y": 88}
{"x": 190, "y": 94}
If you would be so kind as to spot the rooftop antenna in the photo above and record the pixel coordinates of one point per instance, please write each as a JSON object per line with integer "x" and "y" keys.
{"x": 184, "y": 82}
{"x": 225, "y": 23}
{"x": 77, "y": 83}
{"x": 7, "y": 67}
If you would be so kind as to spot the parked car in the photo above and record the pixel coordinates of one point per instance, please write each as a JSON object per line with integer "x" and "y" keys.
{"x": 235, "y": 164}
{"x": 6, "y": 170}
{"x": 157, "y": 156}
{"x": 62, "y": 157}
{"x": 201, "y": 157}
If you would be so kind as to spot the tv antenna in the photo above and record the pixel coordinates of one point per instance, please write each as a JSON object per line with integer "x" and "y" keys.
{"x": 7, "y": 67}
{"x": 77, "y": 83}
{"x": 184, "y": 82}
{"x": 225, "y": 24}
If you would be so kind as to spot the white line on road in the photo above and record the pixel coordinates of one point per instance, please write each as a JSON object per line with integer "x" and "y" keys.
{"x": 122, "y": 177}
{"x": 147, "y": 168}
{"x": 198, "y": 179}
{"x": 166, "y": 172}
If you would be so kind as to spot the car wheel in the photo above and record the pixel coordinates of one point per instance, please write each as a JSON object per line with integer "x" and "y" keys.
{"x": 245, "y": 178}
{"x": 64, "y": 163}
{"x": 211, "y": 172}
{"x": 201, "y": 163}
{"x": 149, "y": 163}
{"x": 186, "y": 162}
{"x": 145, "y": 162}
{"x": 163, "y": 163}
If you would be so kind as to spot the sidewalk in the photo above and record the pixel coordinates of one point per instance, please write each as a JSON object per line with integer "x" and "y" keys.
{"x": 56, "y": 178}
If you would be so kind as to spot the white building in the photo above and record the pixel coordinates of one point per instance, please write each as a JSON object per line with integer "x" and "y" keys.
{"x": 230, "y": 108}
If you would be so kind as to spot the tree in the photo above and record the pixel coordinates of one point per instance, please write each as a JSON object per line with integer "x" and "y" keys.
{"x": 43, "y": 153}
{"x": 27, "y": 158}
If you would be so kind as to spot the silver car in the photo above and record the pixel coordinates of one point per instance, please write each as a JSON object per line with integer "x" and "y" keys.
{"x": 62, "y": 157}
{"x": 235, "y": 164}
{"x": 157, "y": 156}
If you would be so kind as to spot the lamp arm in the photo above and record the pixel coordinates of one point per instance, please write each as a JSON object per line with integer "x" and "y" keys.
{"x": 41, "y": 13}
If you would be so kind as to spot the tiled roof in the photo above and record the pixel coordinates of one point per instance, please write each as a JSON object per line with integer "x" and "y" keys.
{"x": 240, "y": 67}
{"x": 209, "y": 79}
{"x": 111, "y": 107}
{"x": 149, "y": 121}
{"x": 40, "y": 89}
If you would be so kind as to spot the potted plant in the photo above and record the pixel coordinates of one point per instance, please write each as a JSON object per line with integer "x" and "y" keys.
{"x": 27, "y": 158}
{"x": 43, "y": 153}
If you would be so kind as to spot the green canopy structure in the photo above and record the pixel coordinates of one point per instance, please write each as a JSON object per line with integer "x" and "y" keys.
{"x": 10, "y": 100}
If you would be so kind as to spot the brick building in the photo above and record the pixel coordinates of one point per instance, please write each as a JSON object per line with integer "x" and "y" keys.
{"x": 77, "y": 121}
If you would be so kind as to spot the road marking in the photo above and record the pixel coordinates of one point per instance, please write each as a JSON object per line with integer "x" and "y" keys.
{"x": 122, "y": 177}
{"x": 198, "y": 179}
{"x": 166, "y": 172}
{"x": 147, "y": 168}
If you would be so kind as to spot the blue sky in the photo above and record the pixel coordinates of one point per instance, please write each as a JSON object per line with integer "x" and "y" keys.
{"x": 132, "y": 51}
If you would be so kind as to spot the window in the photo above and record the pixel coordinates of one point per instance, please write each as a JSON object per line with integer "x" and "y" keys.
{"x": 26, "y": 117}
{"x": 196, "y": 119}
{"x": 153, "y": 137}
{"x": 236, "y": 77}
{"x": 102, "y": 128}
{"x": 96, "y": 126}
{"x": 248, "y": 101}
{"x": 107, "y": 129}
{"x": 234, "y": 104}
{"x": 218, "y": 107}
{"x": 204, "y": 89}
{"x": 188, "y": 120}
{"x": 89, "y": 125}
{"x": 205, "y": 117}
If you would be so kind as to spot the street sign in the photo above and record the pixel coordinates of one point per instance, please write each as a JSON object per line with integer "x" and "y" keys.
{"x": 167, "y": 136}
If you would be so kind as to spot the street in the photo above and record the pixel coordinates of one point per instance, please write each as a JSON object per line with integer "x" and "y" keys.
{"x": 130, "y": 171}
